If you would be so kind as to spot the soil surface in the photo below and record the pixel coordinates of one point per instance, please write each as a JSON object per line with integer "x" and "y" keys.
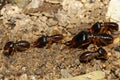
{"x": 54, "y": 60}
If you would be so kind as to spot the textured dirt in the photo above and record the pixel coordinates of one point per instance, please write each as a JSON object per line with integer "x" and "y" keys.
{"x": 55, "y": 60}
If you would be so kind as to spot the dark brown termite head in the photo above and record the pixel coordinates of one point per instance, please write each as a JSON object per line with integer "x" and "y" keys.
{"x": 80, "y": 40}
{"x": 8, "y": 48}
{"x": 96, "y": 28}
{"x": 41, "y": 42}
{"x": 102, "y": 54}
{"x": 56, "y": 38}
{"x": 22, "y": 45}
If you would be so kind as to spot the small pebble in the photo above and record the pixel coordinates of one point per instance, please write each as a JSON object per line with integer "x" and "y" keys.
{"x": 23, "y": 77}
{"x": 109, "y": 54}
{"x": 116, "y": 40}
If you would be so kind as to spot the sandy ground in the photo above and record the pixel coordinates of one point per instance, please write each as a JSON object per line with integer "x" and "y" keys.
{"x": 55, "y": 60}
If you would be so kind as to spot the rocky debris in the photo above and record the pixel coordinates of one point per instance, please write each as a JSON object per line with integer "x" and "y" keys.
{"x": 19, "y": 3}
{"x": 113, "y": 12}
{"x": 47, "y": 18}
{"x": 96, "y": 75}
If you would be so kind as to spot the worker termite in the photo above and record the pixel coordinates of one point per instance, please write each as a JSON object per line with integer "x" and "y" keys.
{"x": 10, "y": 47}
{"x": 84, "y": 38}
{"x": 104, "y": 27}
{"x": 88, "y": 56}
{"x": 44, "y": 40}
